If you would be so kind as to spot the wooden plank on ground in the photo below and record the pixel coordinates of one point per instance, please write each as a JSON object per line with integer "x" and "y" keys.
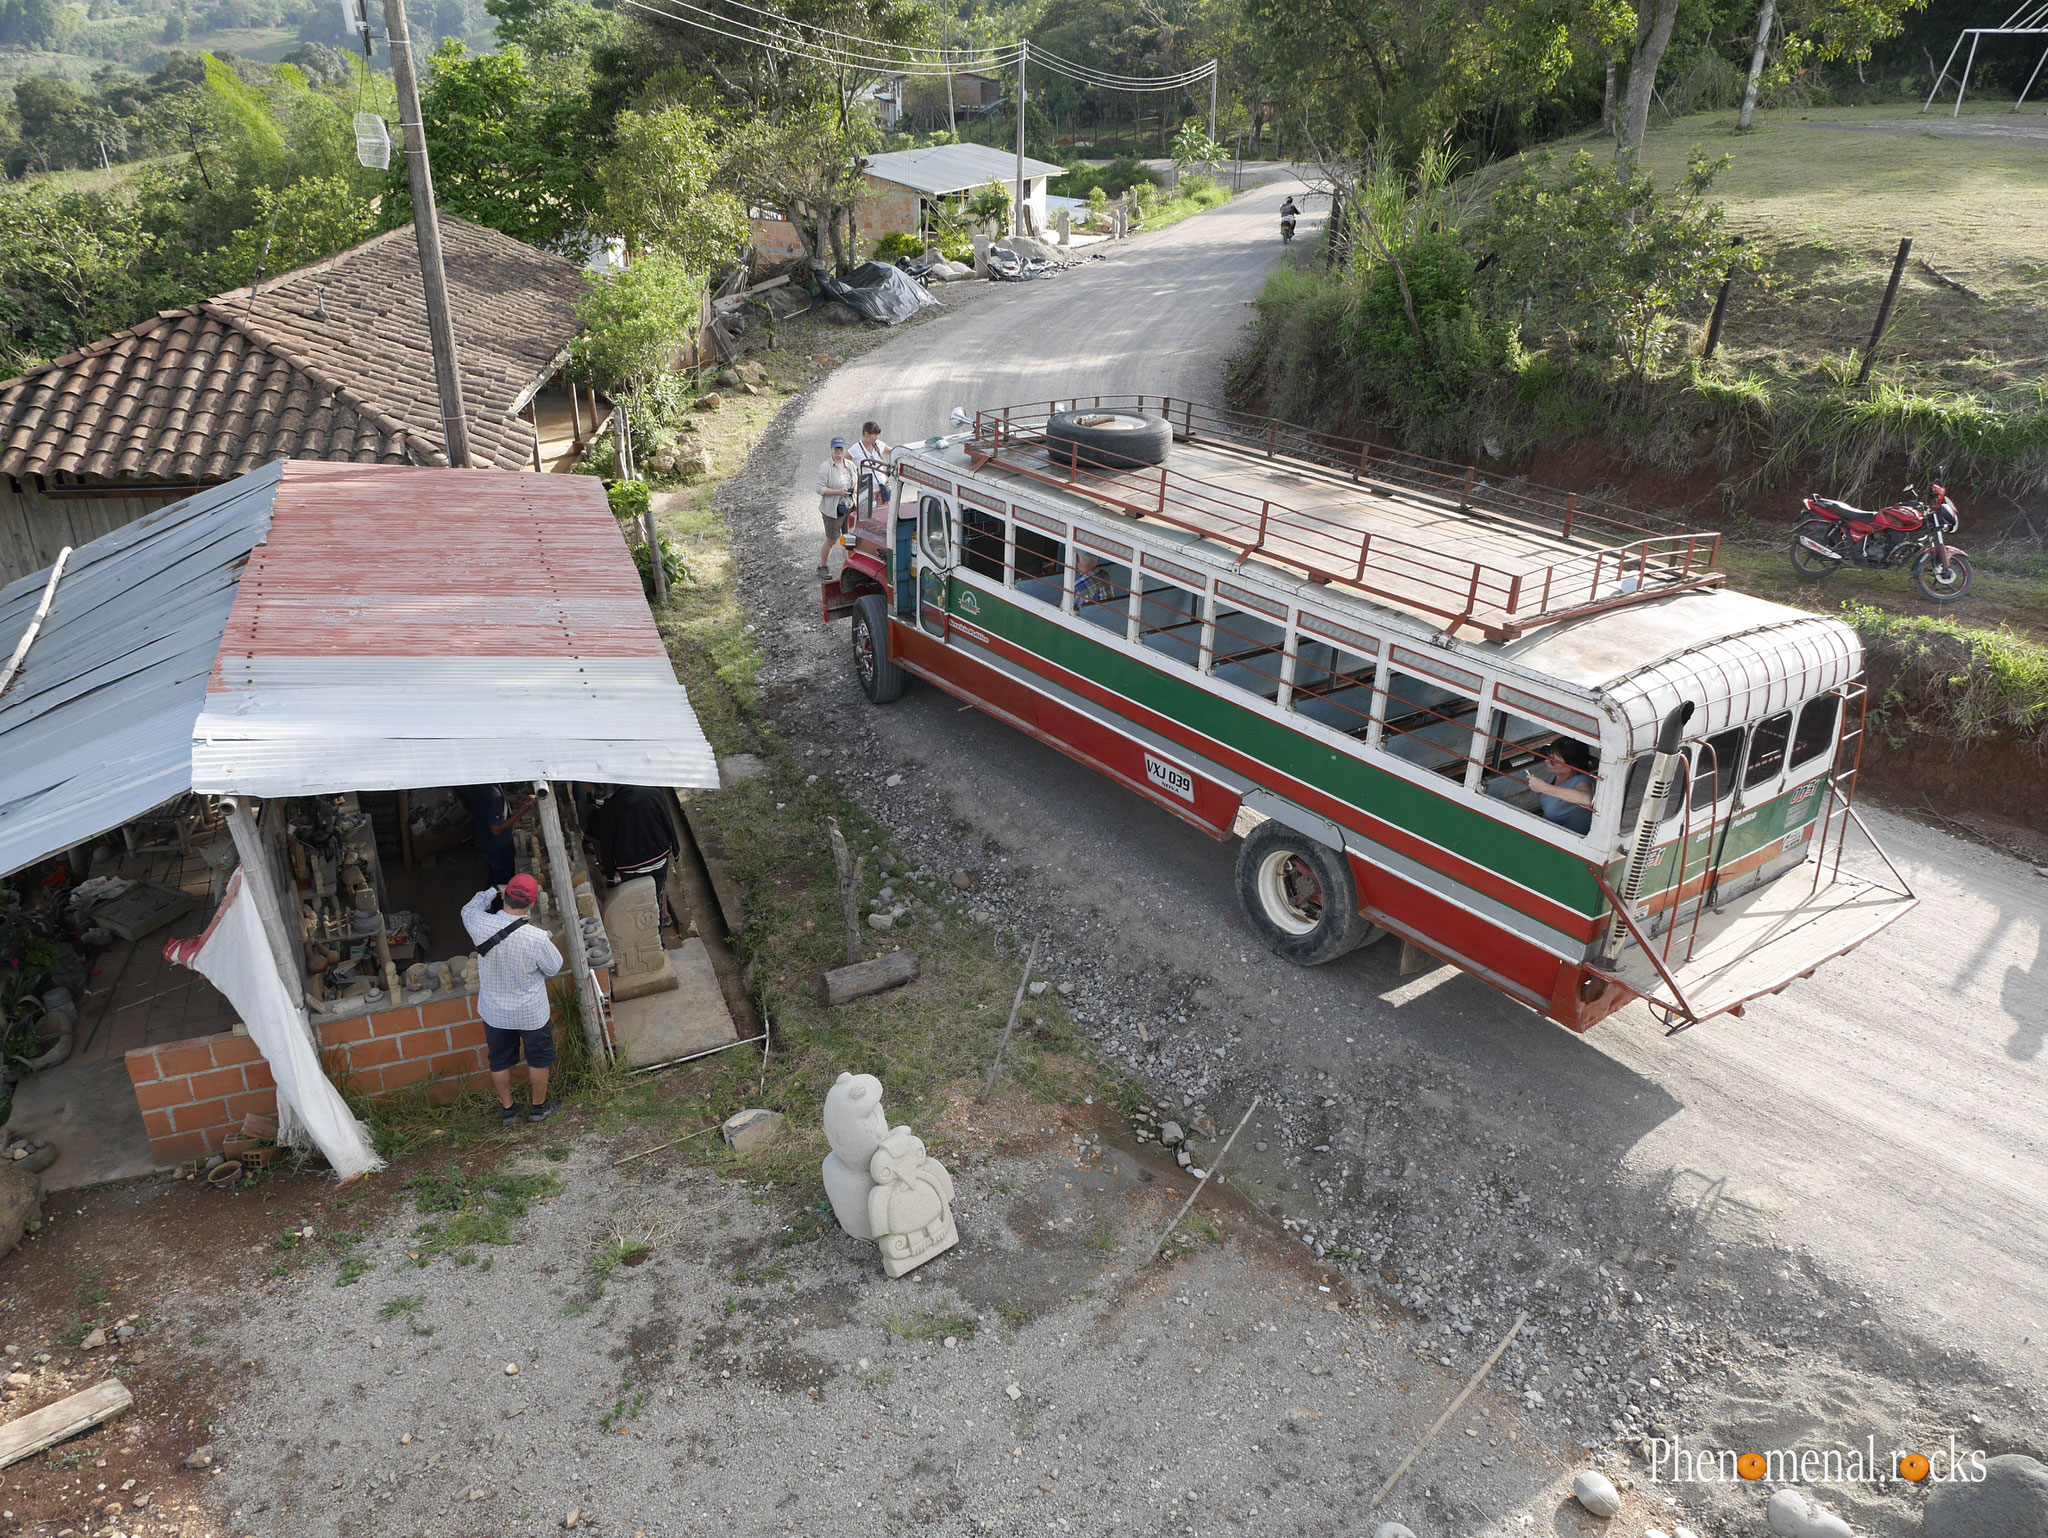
{"x": 844, "y": 984}
{"x": 38, "y": 1429}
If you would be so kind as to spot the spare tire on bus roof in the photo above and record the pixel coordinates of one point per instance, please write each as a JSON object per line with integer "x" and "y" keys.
{"x": 1106, "y": 439}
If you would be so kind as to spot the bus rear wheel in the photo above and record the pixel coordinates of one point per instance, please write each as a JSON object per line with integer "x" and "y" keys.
{"x": 880, "y": 679}
{"x": 1299, "y": 896}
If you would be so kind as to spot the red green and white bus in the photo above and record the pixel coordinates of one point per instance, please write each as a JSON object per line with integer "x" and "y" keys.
{"x": 1513, "y": 728}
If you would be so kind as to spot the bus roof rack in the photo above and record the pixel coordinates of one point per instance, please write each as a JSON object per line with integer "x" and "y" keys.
{"x": 1545, "y": 555}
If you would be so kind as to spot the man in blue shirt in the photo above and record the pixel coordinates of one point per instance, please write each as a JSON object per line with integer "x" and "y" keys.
{"x": 494, "y": 817}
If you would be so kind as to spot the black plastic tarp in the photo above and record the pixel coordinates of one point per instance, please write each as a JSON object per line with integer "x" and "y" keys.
{"x": 879, "y": 292}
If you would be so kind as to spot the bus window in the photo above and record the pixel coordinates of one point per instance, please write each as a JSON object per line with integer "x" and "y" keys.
{"x": 1170, "y": 621}
{"x": 1639, "y": 786}
{"x": 1333, "y": 686}
{"x": 1041, "y": 566}
{"x": 1767, "y": 750}
{"x": 1248, "y": 651}
{"x": 1816, "y": 732}
{"x": 1716, "y": 760}
{"x": 1102, "y": 592}
{"x": 932, "y": 523}
{"x": 1429, "y": 725}
{"x": 981, "y": 543}
{"x": 1520, "y": 747}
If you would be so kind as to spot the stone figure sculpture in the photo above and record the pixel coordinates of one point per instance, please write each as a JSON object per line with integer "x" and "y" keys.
{"x": 855, "y": 1126}
{"x": 911, "y": 1207}
{"x": 632, "y": 922}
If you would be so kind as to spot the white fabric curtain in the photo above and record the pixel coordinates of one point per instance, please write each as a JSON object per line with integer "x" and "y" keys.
{"x": 234, "y": 955}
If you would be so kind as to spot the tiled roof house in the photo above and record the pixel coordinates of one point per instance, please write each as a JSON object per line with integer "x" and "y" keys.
{"x": 329, "y": 361}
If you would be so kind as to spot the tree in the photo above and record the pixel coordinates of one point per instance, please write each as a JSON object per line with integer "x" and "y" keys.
{"x": 312, "y": 218}
{"x": 1653, "y": 35}
{"x": 510, "y": 150}
{"x": 635, "y": 322}
{"x": 658, "y": 193}
{"x": 805, "y": 166}
{"x": 552, "y": 29}
{"x": 1597, "y": 260}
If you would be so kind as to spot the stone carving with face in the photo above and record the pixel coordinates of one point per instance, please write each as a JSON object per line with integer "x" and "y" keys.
{"x": 910, "y": 1208}
{"x": 855, "y": 1125}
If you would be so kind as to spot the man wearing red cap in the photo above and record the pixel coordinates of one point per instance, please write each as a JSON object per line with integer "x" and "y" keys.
{"x": 515, "y": 959}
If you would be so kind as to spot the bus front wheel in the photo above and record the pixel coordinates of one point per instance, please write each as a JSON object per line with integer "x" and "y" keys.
{"x": 880, "y": 679}
{"x": 1299, "y": 896}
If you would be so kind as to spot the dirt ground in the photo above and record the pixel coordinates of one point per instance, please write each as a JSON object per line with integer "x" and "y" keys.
{"x": 750, "y": 1370}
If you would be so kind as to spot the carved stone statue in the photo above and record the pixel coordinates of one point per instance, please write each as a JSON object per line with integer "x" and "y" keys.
{"x": 632, "y": 922}
{"x": 911, "y": 1207}
{"x": 855, "y": 1126}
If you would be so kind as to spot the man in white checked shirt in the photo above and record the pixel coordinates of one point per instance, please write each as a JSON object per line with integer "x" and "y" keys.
{"x": 515, "y": 959}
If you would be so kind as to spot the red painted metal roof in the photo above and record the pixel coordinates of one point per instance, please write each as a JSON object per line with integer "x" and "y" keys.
{"x": 383, "y": 561}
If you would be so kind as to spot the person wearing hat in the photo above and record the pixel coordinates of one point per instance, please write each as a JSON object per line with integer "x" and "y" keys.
{"x": 515, "y": 959}
{"x": 835, "y": 495}
{"x": 634, "y": 834}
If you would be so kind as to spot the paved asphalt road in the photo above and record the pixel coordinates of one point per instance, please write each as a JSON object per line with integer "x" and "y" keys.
{"x": 1886, "y": 1116}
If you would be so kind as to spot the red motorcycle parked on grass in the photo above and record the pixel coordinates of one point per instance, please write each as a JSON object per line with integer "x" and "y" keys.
{"x": 1915, "y": 532}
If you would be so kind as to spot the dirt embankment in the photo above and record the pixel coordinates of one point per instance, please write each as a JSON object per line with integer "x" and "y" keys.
{"x": 1919, "y": 755}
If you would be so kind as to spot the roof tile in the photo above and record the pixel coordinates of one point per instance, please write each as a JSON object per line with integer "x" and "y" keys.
{"x": 330, "y": 361}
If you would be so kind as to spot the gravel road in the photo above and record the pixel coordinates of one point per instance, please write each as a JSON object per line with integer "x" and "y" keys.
{"x": 1841, "y": 1199}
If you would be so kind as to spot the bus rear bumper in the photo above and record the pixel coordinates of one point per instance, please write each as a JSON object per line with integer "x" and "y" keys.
{"x": 1757, "y": 944}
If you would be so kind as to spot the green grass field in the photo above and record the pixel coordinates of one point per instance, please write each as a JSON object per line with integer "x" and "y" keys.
{"x": 1828, "y": 192}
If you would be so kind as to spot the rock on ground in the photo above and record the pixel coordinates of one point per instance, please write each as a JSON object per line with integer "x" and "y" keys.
{"x": 1796, "y": 1513}
{"x": 2011, "y": 1501}
{"x": 1595, "y": 1491}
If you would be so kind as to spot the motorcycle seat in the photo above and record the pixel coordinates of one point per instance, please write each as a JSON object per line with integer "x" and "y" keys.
{"x": 1842, "y": 509}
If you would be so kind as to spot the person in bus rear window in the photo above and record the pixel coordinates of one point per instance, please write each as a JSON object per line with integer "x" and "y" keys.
{"x": 1564, "y": 783}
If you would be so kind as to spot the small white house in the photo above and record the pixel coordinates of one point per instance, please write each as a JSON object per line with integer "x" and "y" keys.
{"x": 949, "y": 170}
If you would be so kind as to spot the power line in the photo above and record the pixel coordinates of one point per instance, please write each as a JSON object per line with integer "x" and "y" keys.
{"x": 989, "y": 59}
{"x": 723, "y": 26}
{"x": 1090, "y": 76}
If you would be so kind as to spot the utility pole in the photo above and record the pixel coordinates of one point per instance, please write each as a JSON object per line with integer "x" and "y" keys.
{"x": 1017, "y": 215}
{"x": 426, "y": 226}
{"x": 1213, "y": 72}
{"x": 946, "y": 63}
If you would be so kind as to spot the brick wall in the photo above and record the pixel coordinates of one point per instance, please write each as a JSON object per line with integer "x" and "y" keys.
{"x": 885, "y": 209}
{"x": 194, "y": 1093}
{"x": 775, "y": 239}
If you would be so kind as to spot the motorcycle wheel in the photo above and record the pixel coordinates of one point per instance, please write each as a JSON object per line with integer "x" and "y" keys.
{"x": 1938, "y": 585}
{"x": 1815, "y": 568}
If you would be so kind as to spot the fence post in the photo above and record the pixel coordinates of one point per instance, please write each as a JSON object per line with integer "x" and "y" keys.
{"x": 1720, "y": 311}
{"x": 1272, "y": 434}
{"x": 1571, "y": 509}
{"x": 1884, "y": 310}
{"x": 1364, "y": 460}
{"x": 1465, "y": 496}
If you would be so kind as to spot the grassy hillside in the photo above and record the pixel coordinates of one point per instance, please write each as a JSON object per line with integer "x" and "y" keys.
{"x": 1827, "y": 193}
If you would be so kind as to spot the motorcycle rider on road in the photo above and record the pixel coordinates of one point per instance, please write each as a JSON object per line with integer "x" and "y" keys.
{"x": 1288, "y": 214}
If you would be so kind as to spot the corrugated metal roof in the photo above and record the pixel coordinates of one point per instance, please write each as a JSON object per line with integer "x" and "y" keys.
{"x": 318, "y": 627}
{"x": 438, "y": 627}
{"x": 954, "y": 167}
{"x": 97, "y": 728}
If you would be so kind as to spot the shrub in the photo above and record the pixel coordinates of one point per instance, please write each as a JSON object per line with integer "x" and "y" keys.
{"x": 1419, "y": 342}
{"x": 896, "y": 245}
{"x": 628, "y": 498}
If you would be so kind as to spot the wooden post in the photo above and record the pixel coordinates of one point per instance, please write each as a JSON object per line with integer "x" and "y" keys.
{"x": 1571, "y": 508}
{"x": 1720, "y": 308}
{"x": 256, "y": 876}
{"x": 1884, "y": 310}
{"x": 1465, "y": 496}
{"x": 572, "y": 920}
{"x": 850, "y": 871}
{"x": 1272, "y": 434}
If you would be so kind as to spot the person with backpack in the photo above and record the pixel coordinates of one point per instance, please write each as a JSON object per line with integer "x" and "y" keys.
{"x": 515, "y": 959}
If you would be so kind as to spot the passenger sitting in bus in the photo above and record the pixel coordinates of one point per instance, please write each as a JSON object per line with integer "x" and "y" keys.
{"x": 1564, "y": 784}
